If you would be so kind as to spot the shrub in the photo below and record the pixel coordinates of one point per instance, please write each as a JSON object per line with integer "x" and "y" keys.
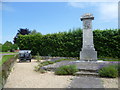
{"x": 66, "y": 70}
{"x": 38, "y": 69}
{"x": 62, "y": 60}
{"x": 46, "y": 63}
{"x": 42, "y": 71}
{"x": 109, "y": 71}
{"x": 118, "y": 68}
{"x": 38, "y": 57}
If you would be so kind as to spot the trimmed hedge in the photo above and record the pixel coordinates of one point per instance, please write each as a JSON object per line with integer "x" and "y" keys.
{"x": 69, "y": 44}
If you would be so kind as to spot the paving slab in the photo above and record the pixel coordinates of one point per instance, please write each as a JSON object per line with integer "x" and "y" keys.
{"x": 86, "y": 82}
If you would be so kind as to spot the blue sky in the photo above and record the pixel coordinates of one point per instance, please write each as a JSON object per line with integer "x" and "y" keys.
{"x": 52, "y": 17}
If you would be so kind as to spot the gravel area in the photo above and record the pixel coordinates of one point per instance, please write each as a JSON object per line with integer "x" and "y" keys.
{"x": 23, "y": 76}
{"x": 110, "y": 82}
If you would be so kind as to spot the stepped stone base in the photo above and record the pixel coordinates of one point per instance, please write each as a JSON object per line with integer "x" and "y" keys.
{"x": 88, "y": 55}
{"x": 86, "y": 73}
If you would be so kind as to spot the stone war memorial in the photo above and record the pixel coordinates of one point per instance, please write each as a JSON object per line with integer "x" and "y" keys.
{"x": 88, "y": 52}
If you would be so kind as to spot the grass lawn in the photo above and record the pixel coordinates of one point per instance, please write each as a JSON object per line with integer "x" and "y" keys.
{"x": 7, "y": 52}
{"x": 5, "y": 58}
{"x": 110, "y": 60}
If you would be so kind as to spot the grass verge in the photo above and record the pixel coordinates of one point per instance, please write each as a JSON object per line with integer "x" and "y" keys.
{"x": 7, "y": 52}
{"x": 6, "y": 58}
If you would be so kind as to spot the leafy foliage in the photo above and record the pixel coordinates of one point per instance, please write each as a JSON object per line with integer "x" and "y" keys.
{"x": 66, "y": 70}
{"x": 37, "y": 68}
{"x": 33, "y": 32}
{"x": 109, "y": 71}
{"x": 46, "y": 63}
{"x": 69, "y": 44}
{"x": 8, "y": 46}
{"x": 38, "y": 57}
{"x": 21, "y": 32}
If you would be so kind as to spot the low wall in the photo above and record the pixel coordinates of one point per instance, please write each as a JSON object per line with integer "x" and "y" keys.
{"x": 5, "y": 70}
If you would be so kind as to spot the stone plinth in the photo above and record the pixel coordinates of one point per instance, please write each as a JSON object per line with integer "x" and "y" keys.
{"x": 88, "y": 51}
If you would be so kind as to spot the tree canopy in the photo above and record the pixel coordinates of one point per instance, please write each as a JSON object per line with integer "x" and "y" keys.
{"x": 21, "y": 31}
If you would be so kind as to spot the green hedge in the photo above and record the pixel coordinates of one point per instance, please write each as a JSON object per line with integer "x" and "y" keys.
{"x": 69, "y": 44}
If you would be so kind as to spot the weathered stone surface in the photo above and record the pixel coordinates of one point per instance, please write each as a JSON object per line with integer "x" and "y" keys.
{"x": 86, "y": 82}
{"x": 85, "y": 73}
{"x": 82, "y": 66}
{"x": 88, "y": 52}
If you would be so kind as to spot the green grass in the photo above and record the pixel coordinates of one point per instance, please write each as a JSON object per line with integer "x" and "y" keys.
{"x": 7, "y": 52}
{"x": 6, "y": 58}
{"x": 112, "y": 60}
{"x": 108, "y": 59}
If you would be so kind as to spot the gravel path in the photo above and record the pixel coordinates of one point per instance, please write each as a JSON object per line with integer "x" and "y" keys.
{"x": 23, "y": 76}
{"x": 110, "y": 82}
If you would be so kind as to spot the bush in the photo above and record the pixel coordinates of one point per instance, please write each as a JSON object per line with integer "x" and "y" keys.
{"x": 66, "y": 70}
{"x": 38, "y": 57}
{"x": 118, "y": 68}
{"x": 62, "y": 60}
{"x": 38, "y": 69}
{"x": 46, "y": 63}
{"x": 109, "y": 71}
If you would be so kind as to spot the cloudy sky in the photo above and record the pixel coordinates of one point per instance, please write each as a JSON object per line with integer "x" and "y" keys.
{"x": 51, "y": 17}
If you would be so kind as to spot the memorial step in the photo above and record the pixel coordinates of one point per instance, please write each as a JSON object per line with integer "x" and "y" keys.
{"x": 86, "y": 73}
{"x": 87, "y": 70}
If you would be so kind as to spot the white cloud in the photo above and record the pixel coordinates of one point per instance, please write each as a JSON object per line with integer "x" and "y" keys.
{"x": 108, "y": 11}
{"x": 81, "y": 5}
{"x": 77, "y": 5}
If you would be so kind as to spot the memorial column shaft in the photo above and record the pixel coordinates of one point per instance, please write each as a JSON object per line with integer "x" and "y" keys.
{"x": 88, "y": 52}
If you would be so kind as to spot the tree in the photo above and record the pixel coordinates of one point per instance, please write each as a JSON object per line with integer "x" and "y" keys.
{"x": 33, "y": 32}
{"x": 24, "y": 31}
{"x": 6, "y": 46}
{"x": 0, "y": 47}
{"x": 21, "y": 32}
